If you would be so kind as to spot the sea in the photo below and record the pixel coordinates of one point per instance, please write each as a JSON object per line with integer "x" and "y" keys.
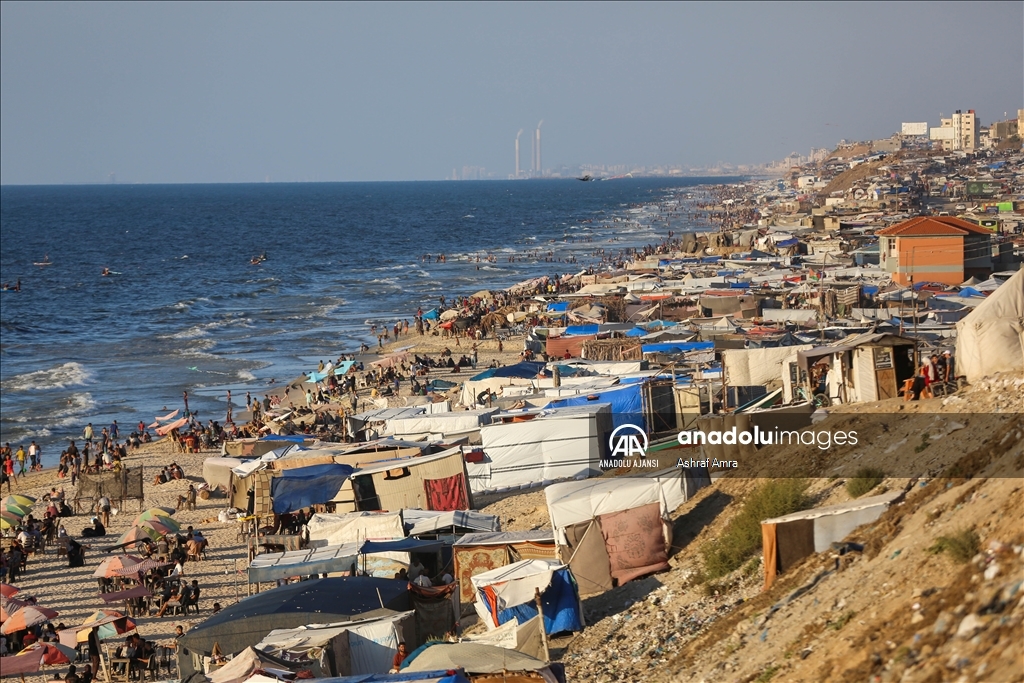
{"x": 184, "y": 309}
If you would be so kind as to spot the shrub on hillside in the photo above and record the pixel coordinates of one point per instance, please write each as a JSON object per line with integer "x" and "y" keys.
{"x": 961, "y": 545}
{"x": 865, "y": 479}
{"x": 742, "y": 536}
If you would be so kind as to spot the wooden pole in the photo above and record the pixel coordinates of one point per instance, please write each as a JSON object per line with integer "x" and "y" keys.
{"x": 543, "y": 631}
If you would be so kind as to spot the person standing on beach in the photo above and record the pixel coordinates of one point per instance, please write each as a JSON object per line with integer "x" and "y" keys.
{"x": 228, "y": 421}
{"x": 88, "y": 434}
{"x": 21, "y": 460}
{"x": 114, "y": 430}
{"x": 33, "y": 456}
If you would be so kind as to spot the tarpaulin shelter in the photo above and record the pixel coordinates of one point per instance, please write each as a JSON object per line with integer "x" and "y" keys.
{"x": 788, "y": 539}
{"x": 305, "y": 562}
{"x": 246, "y": 623}
{"x": 991, "y": 338}
{"x": 535, "y": 447}
{"x": 678, "y": 347}
{"x": 610, "y": 531}
{"x": 481, "y": 552}
{"x": 295, "y": 489}
{"x": 509, "y": 592}
{"x": 429, "y": 482}
{"x": 217, "y": 472}
{"x": 421, "y": 522}
{"x": 475, "y": 658}
{"x": 356, "y": 528}
{"x": 352, "y": 648}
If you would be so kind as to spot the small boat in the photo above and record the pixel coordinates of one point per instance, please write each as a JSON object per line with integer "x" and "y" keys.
{"x": 45, "y": 262}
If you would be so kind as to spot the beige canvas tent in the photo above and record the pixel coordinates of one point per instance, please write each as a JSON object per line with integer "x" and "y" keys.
{"x": 991, "y": 338}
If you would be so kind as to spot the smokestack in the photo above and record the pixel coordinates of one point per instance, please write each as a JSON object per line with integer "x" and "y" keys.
{"x": 539, "y": 167}
{"x": 517, "y": 151}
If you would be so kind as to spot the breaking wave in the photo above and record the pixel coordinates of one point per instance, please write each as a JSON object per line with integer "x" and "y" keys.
{"x": 57, "y": 377}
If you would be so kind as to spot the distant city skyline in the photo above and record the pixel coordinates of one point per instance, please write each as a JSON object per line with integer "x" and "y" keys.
{"x": 97, "y": 93}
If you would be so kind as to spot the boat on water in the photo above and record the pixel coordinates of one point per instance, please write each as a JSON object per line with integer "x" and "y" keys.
{"x": 45, "y": 262}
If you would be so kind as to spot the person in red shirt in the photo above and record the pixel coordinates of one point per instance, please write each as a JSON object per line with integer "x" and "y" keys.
{"x": 396, "y": 663}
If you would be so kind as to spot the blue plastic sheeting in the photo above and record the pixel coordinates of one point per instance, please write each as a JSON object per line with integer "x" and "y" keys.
{"x": 291, "y": 438}
{"x": 677, "y": 347}
{"x": 304, "y": 487}
{"x": 402, "y": 545}
{"x": 636, "y": 332}
{"x": 739, "y": 285}
{"x": 558, "y": 307}
{"x": 626, "y": 404}
{"x": 526, "y": 369}
{"x": 338, "y": 371}
{"x": 727, "y": 273}
{"x": 791, "y": 242}
{"x": 560, "y": 604}
{"x": 431, "y": 314}
{"x": 969, "y": 291}
{"x": 577, "y": 330}
{"x": 870, "y": 290}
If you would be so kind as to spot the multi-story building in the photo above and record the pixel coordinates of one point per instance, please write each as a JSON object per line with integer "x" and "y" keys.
{"x": 935, "y": 249}
{"x": 964, "y": 134}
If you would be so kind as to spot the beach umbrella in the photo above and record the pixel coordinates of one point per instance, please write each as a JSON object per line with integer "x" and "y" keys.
{"x": 450, "y": 314}
{"x": 20, "y": 499}
{"x": 53, "y": 653}
{"x": 9, "y": 606}
{"x": 163, "y": 525}
{"x": 27, "y": 616}
{"x": 139, "y": 533}
{"x": 7, "y": 590}
{"x": 154, "y": 512}
{"x": 15, "y": 509}
{"x": 27, "y": 663}
{"x": 9, "y": 520}
{"x": 109, "y": 623}
{"x": 110, "y": 565}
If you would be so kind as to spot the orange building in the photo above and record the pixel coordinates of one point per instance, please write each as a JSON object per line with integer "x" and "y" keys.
{"x": 935, "y": 249}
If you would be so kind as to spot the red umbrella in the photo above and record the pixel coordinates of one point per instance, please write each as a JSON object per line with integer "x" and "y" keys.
{"x": 27, "y": 616}
{"x": 109, "y": 566}
{"x": 7, "y": 590}
{"x": 9, "y": 606}
{"x": 27, "y": 663}
{"x": 53, "y": 653}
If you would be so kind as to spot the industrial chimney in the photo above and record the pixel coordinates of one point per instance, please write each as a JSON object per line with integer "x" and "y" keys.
{"x": 517, "y": 151}
{"x": 538, "y": 166}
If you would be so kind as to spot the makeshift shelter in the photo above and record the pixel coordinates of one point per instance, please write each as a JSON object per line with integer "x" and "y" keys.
{"x": 345, "y": 649}
{"x": 788, "y": 539}
{"x": 510, "y": 592}
{"x": 865, "y": 367}
{"x": 296, "y": 489}
{"x": 246, "y": 623}
{"x": 217, "y": 472}
{"x": 493, "y": 379}
{"x": 648, "y": 403}
{"x": 354, "y": 527}
{"x": 429, "y": 482}
{"x": 305, "y": 562}
{"x": 757, "y": 366}
{"x": 478, "y": 658}
{"x": 990, "y": 338}
{"x": 610, "y": 531}
{"x": 530, "y": 448}
{"x": 481, "y": 552}
{"x": 440, "y": 424}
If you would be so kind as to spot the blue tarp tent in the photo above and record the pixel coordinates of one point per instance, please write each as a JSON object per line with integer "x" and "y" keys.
{"x": 636, "y": 332}
{"x": 525, "y": 369}
{"x": 626, "y": 403}
{"x": 578, "y": 330}
{"x": 969, "y": 291}
{"x": 677, "y": 347}
{"x": 869, "y": 290}
{"x": 511, "y": 585}
{"x": 338, "y": 372}
{"x": 431, "y": 314}
{"x": 558, "y": 307}
{"x": 304, "y": 487}
{"x": 292, "y": 438}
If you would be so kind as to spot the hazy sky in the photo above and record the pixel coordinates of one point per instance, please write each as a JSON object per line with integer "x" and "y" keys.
{"x": 236, "y": 92}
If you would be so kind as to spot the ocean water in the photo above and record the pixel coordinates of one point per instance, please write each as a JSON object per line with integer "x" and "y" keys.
{"x": 185, "y": 309}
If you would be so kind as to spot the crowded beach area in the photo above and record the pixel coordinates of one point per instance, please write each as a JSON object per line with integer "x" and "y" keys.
{"x": 496, "y": 487}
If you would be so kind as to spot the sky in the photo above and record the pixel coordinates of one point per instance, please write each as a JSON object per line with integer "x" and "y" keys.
{"x": 238, "y": 92}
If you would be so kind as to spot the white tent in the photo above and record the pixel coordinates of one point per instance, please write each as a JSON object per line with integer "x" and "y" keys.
{"x": 440, "y": 423}
{"x": 332, "y": 529}
{"x": 517, "y": 585}
{"x": 537, "y": 447}
{"x": 991, "y": 338}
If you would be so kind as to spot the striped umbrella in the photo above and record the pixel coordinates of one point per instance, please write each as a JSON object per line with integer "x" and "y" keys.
{"x": 163, "y": 525}
{"x": 53, "y": 653}
{"x": 109, "y": 623}
{"x": 15, "y": 509}
{"x": 9, "y": 520}
{"x": 27, "y": 616}
{"x": 20, "y": 499}
{"x": 154, "y": 512}
{"x": 9, "y": 606}
{"x": 139, "y": 533}
{"x": 110, "y": 565}
{"x": 7, "y": 590}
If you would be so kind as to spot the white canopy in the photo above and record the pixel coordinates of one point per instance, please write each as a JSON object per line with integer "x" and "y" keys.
{"x": 517, "y": 583}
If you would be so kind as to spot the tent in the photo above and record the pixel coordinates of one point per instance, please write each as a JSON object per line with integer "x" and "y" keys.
{"x": 475, "y": 658}
{"x": 295, "y": 489}
{"x": 217, "y": 472}
{"x": 535, "y": 447}
{"x": 419, "y": 522}
{"x": 428, "y": 482}
{"x": 305, "y": 562}
{"x": 790, "y": 538}
{"x": 357, "y": 527}
{"x": 246, "y": 623}
{"x": 481, "y": 552}
{"x": 991, "y": 338}
{"x": 510, "y": 592}
{"x": 678, "y": 347}
{"x": 439, "y": 423}
{"x": 614, "y": 530}
{"x": 352, "y": 648}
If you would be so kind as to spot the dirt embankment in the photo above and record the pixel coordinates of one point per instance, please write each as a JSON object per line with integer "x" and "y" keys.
{"x": 899, "y": 611}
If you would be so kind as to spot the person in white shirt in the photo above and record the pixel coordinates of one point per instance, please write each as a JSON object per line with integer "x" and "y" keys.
{"x": 447, "y": 578}
{"x": 423, "y": 580}
{"x": 415, "y": 569}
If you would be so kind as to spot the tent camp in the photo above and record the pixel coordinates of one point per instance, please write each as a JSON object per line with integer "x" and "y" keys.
{"x": 610, "y": 531}
{"x": 991, "y": 338}
{"x": 533, "y": 447}
{"x": 648, "y": 403}
{"x": 456, "y": 422}
{"x": 493, "y": 379}
{"x": 454, "y": 522}
{"x": 217, "y": 472}
{"x": 510, "y": 592}
{"x": 246, "y": 623}
{"x": 427, "y": 482}
{"x": 479, "y": 658}
{"x": 333, "y": 530}
{"x": 788, "y": 539}
{"x": 478, "y": 553}
{"x": 347, "y": 649}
